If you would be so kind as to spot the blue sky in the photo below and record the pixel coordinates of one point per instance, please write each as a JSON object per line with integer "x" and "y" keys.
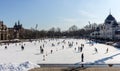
{"x": 57, "y": 13}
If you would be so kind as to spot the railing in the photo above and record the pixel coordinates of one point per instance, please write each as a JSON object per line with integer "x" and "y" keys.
{"x": 79, "y": 65}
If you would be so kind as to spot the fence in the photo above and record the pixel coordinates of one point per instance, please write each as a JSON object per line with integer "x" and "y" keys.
{"x": 79, "y": 65}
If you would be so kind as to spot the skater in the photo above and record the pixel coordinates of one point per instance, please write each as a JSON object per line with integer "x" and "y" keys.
{"x": 53, "y": 44}
{"x": 22, "y": 47}
{"x": 42, "y": 51}
{"x": 24, "y": 44}
{"x": 82, "y": 45}
{"x": 62, "y": 47}
{"x": 43, "y": 45}
{"x": 40, "y": 48}
{"x": 75, "y": 48}
{"x": 8, "y": 44}
{"x": 96, "y": 50}
{"x": 82, "y": 57}
{"x": 51, "y": 51}
{"x": 76, "y": 43}
{"x": 81, "y": 48}
{"x": 43, "y": 57}
{"x": 107, "y": 50}
{"x": 15, "y": 44}
{"x": 5, "y": 47}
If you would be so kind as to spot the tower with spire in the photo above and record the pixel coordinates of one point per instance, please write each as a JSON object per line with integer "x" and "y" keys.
{"x": 17, "y": 28}
{"x": 110, "y": 28}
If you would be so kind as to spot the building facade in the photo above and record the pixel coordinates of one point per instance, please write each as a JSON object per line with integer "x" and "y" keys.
{"x": 15, "y": 31}
{"x": 110, "y": 29}
{"x": 3, "y": 31}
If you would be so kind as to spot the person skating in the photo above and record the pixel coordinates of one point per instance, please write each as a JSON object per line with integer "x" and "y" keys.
{"x": 40, "y": 49}
{"x": 22, "y": 47}
{"x": 51, "y": 51}
{"x": 82, "y": 57}
{"x": 5, "y": 47}
{"x": 96, "y": 50}
{"x": 107, "y": 50}
{"x": 81, "y": 48}
{"x": 62, "y": 47}
{"x": 75, "y": 48}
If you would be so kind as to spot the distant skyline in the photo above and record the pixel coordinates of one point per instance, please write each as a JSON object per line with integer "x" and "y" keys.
{"x": 57, "y": 13}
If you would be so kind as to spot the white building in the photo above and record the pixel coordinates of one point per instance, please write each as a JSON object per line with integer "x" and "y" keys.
{"x": 110, "y": 29}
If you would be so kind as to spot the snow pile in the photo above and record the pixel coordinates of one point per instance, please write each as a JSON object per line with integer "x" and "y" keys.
{"x": 17, "y": 67}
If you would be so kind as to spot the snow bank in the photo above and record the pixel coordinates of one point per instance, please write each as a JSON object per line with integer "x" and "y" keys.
{"x": 17, "y": 67}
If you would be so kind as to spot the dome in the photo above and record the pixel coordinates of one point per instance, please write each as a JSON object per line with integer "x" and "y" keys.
{"x": 109, "y": 19}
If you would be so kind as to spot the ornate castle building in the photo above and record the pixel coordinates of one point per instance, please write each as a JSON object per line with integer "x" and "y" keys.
{"x": 110, "y": 29}
{"x": 15, "y": 31}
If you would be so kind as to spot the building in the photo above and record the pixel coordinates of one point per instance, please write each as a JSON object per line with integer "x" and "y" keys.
{"x": 110, "y": 29}
{"x": 3, "y": 31}
{"x": 15, "y": 31}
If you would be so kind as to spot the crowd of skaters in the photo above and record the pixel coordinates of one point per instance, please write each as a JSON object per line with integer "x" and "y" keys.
{"x": 69, "y": 43}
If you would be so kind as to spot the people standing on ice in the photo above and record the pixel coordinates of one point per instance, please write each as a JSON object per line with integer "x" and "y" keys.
{"x": 62, "y": 47}
{"x": 53, "y": 44}
{"x": 82, "y": 57}
{"x": 107, "y": 50}
{"x": 82, "y": 45}
{"x": 96, "y": 50}
{"x": 22, "y": 47}
{"x": 81, "y": 48}
{"x": 40, "y": 48}
{"x": 8, "y": 44}
{"x": 15, "y": 44}
{"x": 76, "y": 43}
{"x": 75, "y": 48}
{"x": 51, "y": 51}
{"x": 5, "y": 47}
{"x": 43, "y": 57}
{"x": 58, "y": 43}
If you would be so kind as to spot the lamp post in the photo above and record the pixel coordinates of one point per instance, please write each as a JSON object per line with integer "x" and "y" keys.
{"x": 36, "y": 30}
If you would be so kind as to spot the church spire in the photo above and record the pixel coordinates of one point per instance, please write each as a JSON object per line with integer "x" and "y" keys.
{"x": 110, "y": 11}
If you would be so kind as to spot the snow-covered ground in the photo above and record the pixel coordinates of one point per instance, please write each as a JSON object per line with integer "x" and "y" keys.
{"x": 62, "y": 53}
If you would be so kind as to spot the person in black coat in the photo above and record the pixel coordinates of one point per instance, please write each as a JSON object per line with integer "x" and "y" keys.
{"x": 22, "y": 47}
{"x": 82, "y": 57}
{"x": 5, "y": 47}
{"x": 81, "y": 48}
{"x": 96, "y": 50}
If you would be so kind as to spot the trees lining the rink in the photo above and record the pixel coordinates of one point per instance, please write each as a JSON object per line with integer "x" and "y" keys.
{"x": 53, "y": 32}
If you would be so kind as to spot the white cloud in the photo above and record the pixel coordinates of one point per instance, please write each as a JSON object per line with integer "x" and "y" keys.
{"x": 87, "y": 14}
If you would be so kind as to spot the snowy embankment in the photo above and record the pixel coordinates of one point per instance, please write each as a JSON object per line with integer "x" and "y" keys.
{"x": 17, "y": 67}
